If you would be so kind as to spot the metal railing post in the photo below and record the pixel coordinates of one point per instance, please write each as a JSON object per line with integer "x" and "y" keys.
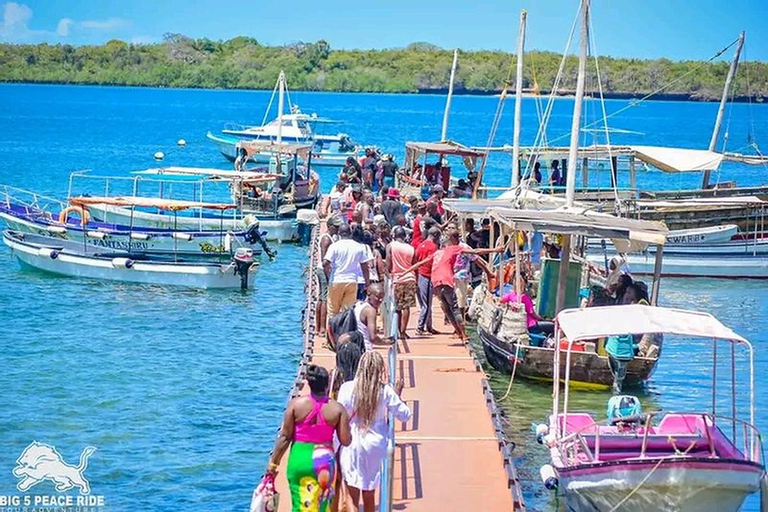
{"x": 390, "y": 321}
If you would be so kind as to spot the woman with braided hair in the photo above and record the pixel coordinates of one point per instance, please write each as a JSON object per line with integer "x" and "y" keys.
{"x": 368, "y": 399}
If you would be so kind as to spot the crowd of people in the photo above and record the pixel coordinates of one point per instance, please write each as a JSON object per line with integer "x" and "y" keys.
{"x": 340, "y": 427}
{"x": 371, "y": 237}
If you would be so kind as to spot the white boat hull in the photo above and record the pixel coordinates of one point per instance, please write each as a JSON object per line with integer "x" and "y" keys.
{"x": 676, "y": 484}
{"x": 192, "y": 275}
{"x": 200, "y": 245}
{"x": 281, "y": 230}
{"x": 697, "y": 265}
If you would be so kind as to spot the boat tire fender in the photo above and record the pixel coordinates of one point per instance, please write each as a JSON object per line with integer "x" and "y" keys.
{"x": 122, "y": 262}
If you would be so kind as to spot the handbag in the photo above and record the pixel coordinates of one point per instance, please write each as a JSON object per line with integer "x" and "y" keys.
{"x": 265, "y": 497}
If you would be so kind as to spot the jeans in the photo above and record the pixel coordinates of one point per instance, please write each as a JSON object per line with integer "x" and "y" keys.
{"x": 425, "y": 302}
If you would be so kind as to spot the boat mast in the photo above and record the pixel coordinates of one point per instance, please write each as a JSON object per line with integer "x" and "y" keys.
{"x": 573, "y": 152}
{"x": 280, "y": 106}
{"x": 518, "y": 100}
{"x": 723, "y": 101}
{"x": 444, "y": 131}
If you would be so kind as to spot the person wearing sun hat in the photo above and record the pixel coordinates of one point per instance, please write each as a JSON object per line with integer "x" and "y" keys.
{"x": 391, "y": 207}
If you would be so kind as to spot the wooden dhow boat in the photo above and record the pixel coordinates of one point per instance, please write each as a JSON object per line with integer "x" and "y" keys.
{"x": 502, "y": 328}
{"x": 700, "y": 461}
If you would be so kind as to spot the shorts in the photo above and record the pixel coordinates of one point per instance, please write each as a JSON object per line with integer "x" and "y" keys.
{"x": 462, "y": 290}
{"x": 405, "y": 295}
{"x": 447, "y": 296}
{"x": 322, "y": 284}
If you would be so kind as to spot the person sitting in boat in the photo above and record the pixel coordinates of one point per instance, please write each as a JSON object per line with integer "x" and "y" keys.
{"x": 615, "y": 284}
{"x": 537, "y": 172}
{"x": 635, "y": 293}
{"x": 462, "y": 189}
{"x": 536, "y": 323}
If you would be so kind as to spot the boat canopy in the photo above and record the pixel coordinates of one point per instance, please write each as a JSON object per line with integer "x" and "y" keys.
{"x": 253, "y": 147}
{"x": 529, "y": 199}
{"x": 149, "y": 202}
{"x": 703, "y": 203}
{"x": 598, "y": 322}
{"x": 627, "y": 235}
{"x": 211, "y": 174}
{"x": 415, "y": 150}
{"x": 667, "y": 159}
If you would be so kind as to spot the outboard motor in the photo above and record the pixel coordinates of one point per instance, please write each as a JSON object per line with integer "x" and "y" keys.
{"x": 254, "y": 235}
{"x": 243, "y": 263}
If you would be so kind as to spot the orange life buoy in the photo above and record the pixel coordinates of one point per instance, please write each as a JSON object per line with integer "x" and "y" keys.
{"x": 85, "y": 217}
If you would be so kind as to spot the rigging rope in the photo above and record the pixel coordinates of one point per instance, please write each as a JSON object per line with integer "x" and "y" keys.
{"x": 660, "y": 89}
{"x": 541, "y": 135}
{"x": 614, "y": 182}
{"x": 512, "y": 377}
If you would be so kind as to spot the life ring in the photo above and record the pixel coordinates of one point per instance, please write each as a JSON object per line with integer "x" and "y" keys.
{"x": 85, "y": 217}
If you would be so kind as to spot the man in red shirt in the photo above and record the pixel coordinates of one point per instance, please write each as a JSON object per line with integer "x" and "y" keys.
{"x": 443, "y": 281}
{"x": 425, "y": 251}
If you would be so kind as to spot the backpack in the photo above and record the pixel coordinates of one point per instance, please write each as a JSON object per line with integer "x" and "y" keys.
{"x": 340, "y": 323}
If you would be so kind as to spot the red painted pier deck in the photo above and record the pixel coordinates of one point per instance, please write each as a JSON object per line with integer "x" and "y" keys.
{"x": 452, "y": 455}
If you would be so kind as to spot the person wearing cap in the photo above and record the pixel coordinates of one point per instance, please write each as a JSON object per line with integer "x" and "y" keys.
{"x": 389, "y": 170}
{"x": 438, "y": 192}
{"x": 391, "y": 207}
{"x": 333, "y": 223}
{"x": 400, "y": 259}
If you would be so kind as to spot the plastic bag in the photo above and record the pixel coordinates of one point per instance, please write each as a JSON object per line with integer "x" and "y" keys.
{"x": 265, "y": 498}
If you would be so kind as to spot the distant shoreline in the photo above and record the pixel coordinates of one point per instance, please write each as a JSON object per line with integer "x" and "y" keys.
{"x": 437, "y": 92}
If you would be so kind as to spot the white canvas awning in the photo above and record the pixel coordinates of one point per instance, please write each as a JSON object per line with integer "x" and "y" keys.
{"x": 626, "y": 234}
{"x": 678, "y": 159}
{"x": 598, "y": 322}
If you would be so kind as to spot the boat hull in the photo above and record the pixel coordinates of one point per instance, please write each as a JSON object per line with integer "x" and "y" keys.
{"x": 589, "y": 370}
{"x": 754, "y": 266}
{"x": 198, "y": 245}
{"x": 191, "y": 275}
{"x": 674, "y": 483}
{"x": 281, "y": 230}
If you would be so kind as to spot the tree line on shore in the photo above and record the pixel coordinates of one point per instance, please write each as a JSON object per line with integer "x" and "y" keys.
{"x": 244, "y": 63}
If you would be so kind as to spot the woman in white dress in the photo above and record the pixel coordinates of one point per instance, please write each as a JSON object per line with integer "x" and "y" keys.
{"x": 368, "y": 399}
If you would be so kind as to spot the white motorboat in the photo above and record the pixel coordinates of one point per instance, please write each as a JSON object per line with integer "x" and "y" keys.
{"x": 689, "y": 462}
{"x": 293, "y": 128}
{"x": 70, "y": 259}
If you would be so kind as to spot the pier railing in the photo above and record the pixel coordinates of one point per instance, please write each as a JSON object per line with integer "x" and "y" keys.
{"x": 389, "y": 317}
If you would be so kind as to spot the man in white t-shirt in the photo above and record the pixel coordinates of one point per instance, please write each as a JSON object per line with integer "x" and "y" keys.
{"x": 343, "y": 262}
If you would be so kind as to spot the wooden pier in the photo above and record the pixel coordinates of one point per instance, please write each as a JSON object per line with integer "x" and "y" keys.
{"x": 453, "y": 453}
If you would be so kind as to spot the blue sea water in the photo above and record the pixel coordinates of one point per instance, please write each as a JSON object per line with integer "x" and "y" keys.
{"x": 182, "y": 391}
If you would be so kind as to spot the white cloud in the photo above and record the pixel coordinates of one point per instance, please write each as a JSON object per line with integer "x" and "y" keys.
{"x": 14, "y": 26}
{"x": 15, "y": 20}
{"x": 64, "y": 26}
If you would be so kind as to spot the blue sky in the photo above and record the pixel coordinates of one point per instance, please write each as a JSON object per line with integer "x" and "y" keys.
{"x": 676, "y": 29}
